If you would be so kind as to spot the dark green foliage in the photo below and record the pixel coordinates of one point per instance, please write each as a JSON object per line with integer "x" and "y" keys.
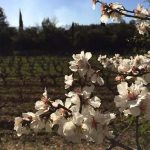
{"x": 49, "y": 39}
{"x": 3, "y": 22}
{"x": 120, "y": 38}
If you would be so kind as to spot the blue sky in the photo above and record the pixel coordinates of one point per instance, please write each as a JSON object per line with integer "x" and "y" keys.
{"x": 64, "y": 11}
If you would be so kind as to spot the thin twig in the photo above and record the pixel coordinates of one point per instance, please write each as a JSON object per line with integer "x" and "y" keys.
{"x": 61, "y": 106}
{"x": 128, "y": 127}
{"x": 118, "y": 144}
{"x": 137, "y": 134}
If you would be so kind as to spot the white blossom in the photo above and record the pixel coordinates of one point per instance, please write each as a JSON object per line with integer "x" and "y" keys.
{"x": 116, "y": 5}
{"x": 142, "y": 25}
{"x": 73, "y": 130}
{"x": 130, "y": 98}
{"x": 68, "y": 81}
{"x": 104, "y": 18}
{"x": 87, "y": 90}
{"x": 80, "y": 63}
{"x": 125, "y": 66}
{"x": 95, "y": 102}
{"x": 22, "y": 124}
{"x": 93, "y": 76}
{"x": 97, "y": 128}
{"x": 73, "y": 98}
{"x": 19, "y": 128}
{"x": 43, "y": 104}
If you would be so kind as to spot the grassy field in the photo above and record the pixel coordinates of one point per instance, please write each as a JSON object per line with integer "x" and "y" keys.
{"x": 22, "y": 80}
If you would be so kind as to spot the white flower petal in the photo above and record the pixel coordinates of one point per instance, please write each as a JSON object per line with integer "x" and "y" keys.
{"x": 104, "y": 18}
{"x": 122, "y": 88}
{"x": 95, "y": 102}
{"x": 68, "y": 102}
{"x": 100, "y": 81}
{"x": 88, "y": 55}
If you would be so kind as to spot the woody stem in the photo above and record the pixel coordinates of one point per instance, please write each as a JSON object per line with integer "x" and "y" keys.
{"x": 137, "y": 133}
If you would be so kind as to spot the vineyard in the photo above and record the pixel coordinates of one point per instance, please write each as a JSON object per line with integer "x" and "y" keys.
{"x": 22, "y": 80}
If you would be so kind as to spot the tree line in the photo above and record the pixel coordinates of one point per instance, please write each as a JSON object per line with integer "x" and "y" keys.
{"x": 50, "y": 39}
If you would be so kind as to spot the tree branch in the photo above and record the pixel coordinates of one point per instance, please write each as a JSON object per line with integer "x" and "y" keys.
{"x": 121, "y": 13}
{"x": 117, "y": 144}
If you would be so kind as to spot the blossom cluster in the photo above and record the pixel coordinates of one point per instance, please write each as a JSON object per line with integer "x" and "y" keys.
{"x": 134, "y": 97}
{"x": 77, "y": 117}
{"x": 128, "y": 68}
{"x": 143, "y": 26}
{"x": 134, "y": 100}
{"x": 116, "y": 12}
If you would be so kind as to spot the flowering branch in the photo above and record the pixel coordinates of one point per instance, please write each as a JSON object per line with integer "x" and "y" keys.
{"x": 79, "y": 116}
{"x": 116, "y": 11}
{"x": 120, "y": 11}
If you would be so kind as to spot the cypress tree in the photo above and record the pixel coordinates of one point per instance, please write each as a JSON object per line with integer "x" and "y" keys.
{"x": 20, "y": 21}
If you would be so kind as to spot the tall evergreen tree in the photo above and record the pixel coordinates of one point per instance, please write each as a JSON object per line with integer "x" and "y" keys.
{"x": 20, "y": 21}
{"x": 3, "y": 22}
